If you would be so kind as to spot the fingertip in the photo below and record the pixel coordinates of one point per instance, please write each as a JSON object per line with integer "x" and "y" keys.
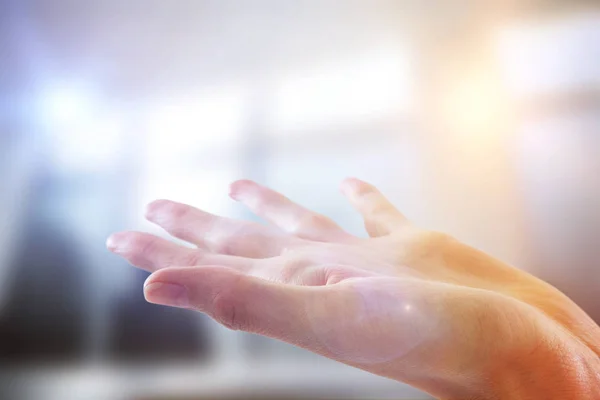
{"x": 115, "y": 241}
{"x": 162, "y": 284}
{"x": 167, "y": 294}
{"x": 111, "y": 243}
{"x": 166, "y": 212}
{"x": 239, "y": 187}
{"x": 352, "y": 185}
{"x": 154, "y": 207}
{"x": 166, "y": 275}
{"x": 201, "y": 275}
{"x": 202, "y": 284}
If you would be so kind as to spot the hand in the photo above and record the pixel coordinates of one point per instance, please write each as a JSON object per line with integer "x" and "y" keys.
{"x": 410, "y": 304}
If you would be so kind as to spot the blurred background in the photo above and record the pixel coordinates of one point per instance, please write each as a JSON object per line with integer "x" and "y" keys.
{"x": 479, "y": 118}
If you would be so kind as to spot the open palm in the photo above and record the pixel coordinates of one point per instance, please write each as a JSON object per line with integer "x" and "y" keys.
{"x": 410, "y": 304}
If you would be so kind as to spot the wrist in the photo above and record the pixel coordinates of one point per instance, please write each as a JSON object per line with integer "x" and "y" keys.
{"x": 565, "y": 369}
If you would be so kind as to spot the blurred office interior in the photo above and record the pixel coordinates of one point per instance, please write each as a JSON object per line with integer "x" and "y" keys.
{"x": 478, "y": 118}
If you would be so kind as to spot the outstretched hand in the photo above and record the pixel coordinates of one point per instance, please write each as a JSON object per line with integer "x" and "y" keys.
{"x": 410, "y": 304}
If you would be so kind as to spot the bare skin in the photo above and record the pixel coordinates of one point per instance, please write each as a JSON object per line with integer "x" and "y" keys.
{"x": 413, "y": 305}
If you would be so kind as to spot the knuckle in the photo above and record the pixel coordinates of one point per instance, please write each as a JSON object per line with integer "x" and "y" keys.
{"x": 223, "y": 246}
{"x": 228, "y": 311}
{"x": 192, "y": 258}
{"x": 138, "y": 260}
{"x": 292, "y": 268}
{"x": 140, "y": 249}
{"x": 177, "y": 211}
{"x": 144, "y": 245}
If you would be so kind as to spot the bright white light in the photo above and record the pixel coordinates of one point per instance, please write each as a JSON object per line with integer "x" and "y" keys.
{"x": 375, "y": 84}
{"x": 191, "y": 124}
{"x": 407, "y": 307}
{"x": 474, "y": 104}
{"x": 94, "y": 145}
{"x": 204, "y": 188}
{"x": 551, "y": 56}
{"x": 83, "y": 136}
{"x": 66, "y": 105}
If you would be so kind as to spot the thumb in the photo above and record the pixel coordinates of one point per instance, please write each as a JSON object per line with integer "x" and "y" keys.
{"x": 239, "y": 301}
{"x": 380, "y": 216}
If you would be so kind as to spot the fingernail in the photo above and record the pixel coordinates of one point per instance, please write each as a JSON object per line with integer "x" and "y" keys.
{"x": 168, "y": 294}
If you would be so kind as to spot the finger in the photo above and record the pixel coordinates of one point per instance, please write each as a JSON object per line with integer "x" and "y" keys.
{"x": 284, "y": 213}
{"x": 220, "y": 235}
{"x": 380, "y": 216}
{"x": 152, "y": 253}
{"x": 239, "y": 301}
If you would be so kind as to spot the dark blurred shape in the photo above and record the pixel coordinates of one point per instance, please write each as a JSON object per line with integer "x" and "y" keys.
{"x": 148, "y": 332}
{"x": 43, "y": 319}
